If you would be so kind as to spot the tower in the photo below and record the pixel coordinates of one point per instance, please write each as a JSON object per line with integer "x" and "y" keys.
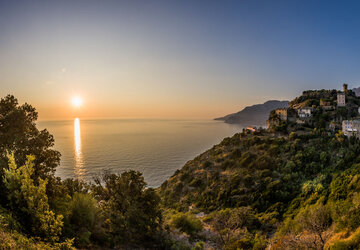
{"x": 345, "y": 87}
{"x": 341, "y": 100}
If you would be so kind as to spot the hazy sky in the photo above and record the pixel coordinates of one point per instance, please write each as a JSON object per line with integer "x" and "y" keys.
{"x": 173, "y": 58}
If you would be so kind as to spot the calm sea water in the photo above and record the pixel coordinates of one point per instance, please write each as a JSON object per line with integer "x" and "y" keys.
{"x": 157, "y": 148}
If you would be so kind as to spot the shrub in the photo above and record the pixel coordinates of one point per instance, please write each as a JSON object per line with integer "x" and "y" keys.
{"x": 80, "y": 220}
{"x": 351, "y": 242}
{"x": 29, "y": 200}
{"x": 131, "y": 211}
{"x": 187, "y": 223}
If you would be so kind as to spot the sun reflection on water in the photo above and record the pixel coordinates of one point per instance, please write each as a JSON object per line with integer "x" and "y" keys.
{"x": 79, "y": 161}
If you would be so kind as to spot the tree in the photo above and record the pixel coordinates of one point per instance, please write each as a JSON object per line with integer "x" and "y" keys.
{"x": 29, "y": 201}
{"x": 81, "y": 218}
{"x": 131, "y": 210}
{"x": 316, "y": 220}
{"x": 19, "y": 134}
{"x": 232, "y": 224}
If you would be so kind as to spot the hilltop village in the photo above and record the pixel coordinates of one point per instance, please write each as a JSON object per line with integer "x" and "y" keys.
{"x": 330, "y": 110}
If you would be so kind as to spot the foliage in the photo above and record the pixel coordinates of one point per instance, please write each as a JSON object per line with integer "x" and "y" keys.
{"x": 316, "y": 220}
{"x": 232, "y": 226}
{"x": 131, "y": 211}
{"x": 81, "y": 219}
{"x": 29, "y": 200}
{"x": 19, "y": 134}
{"x": 186, "y": 223}
{"x": 351, "y": 242}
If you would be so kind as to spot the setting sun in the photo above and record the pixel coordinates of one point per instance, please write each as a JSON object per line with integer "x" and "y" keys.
{"x": 76, "y": 101}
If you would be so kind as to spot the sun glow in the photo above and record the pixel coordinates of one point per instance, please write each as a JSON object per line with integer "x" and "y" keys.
{"x": 79, "y": 162}
{"x": 76, "y": 101}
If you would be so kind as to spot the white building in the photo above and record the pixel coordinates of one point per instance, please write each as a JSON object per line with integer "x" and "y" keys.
{"x": 305, "y": 112}
{"x": 351, "y": 127}
{"x": 341, "y": 101}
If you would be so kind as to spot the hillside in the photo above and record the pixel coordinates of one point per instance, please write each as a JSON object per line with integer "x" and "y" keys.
{"x": 298, "y": 188}
{"x": 254, "y": 115}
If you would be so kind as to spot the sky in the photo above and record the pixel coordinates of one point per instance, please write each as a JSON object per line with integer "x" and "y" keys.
{"x": 173, "y": 59}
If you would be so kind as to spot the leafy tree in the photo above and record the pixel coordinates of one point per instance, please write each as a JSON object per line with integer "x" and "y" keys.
{"x": 131, "y": 210}
{"x": 19, "y": 134}
{"x": 233, "y": 224}
{"x": 29, "y": 200}
{"x": 81, "y": 218}
{"x": 315, "y": 219}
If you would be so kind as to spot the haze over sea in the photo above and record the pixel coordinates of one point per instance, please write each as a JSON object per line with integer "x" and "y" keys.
{"x": 157, "y": 148}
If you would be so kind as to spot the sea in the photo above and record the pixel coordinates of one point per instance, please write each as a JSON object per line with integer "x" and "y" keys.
{"x": 155, "y": 147}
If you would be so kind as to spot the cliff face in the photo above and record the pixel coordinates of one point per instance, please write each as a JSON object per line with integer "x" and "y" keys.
{"x": 255, "y": 115}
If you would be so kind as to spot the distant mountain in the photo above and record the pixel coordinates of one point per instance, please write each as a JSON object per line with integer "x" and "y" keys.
{"x": 255, "y": 115}
{"x": 356, "y": 91}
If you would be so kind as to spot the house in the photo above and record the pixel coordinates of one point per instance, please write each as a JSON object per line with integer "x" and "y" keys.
{"x": 305, "y": 112}
{"x": 341, "y": 101}
{"x": 351, "y": 128}
{"x": 252, "y": 128}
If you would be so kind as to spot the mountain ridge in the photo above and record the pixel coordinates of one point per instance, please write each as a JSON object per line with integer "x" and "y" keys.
{"x": 254, "y": 115}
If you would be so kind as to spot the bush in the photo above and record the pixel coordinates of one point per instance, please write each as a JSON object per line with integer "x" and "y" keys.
{"x": 80, "y": 220}
{"x": 30, "y": 202}
{"x": 199, "y": 246}
{"x": 352, "y": 242}
{"x": 131, "y": 211}
{"x": 187, "y": 223}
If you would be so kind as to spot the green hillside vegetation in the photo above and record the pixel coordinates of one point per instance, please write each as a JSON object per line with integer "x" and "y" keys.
{"x": 288, "y": 189}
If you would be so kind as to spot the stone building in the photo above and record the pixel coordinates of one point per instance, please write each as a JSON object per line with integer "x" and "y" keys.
{"x": 282, "y": 113}
{"x": 351, "y": 127}
{"x": 326, "y": 104}
{"x": 341, "y": 100}
{"x": 286, "y": 114}
{"x": 305, "y": 112}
